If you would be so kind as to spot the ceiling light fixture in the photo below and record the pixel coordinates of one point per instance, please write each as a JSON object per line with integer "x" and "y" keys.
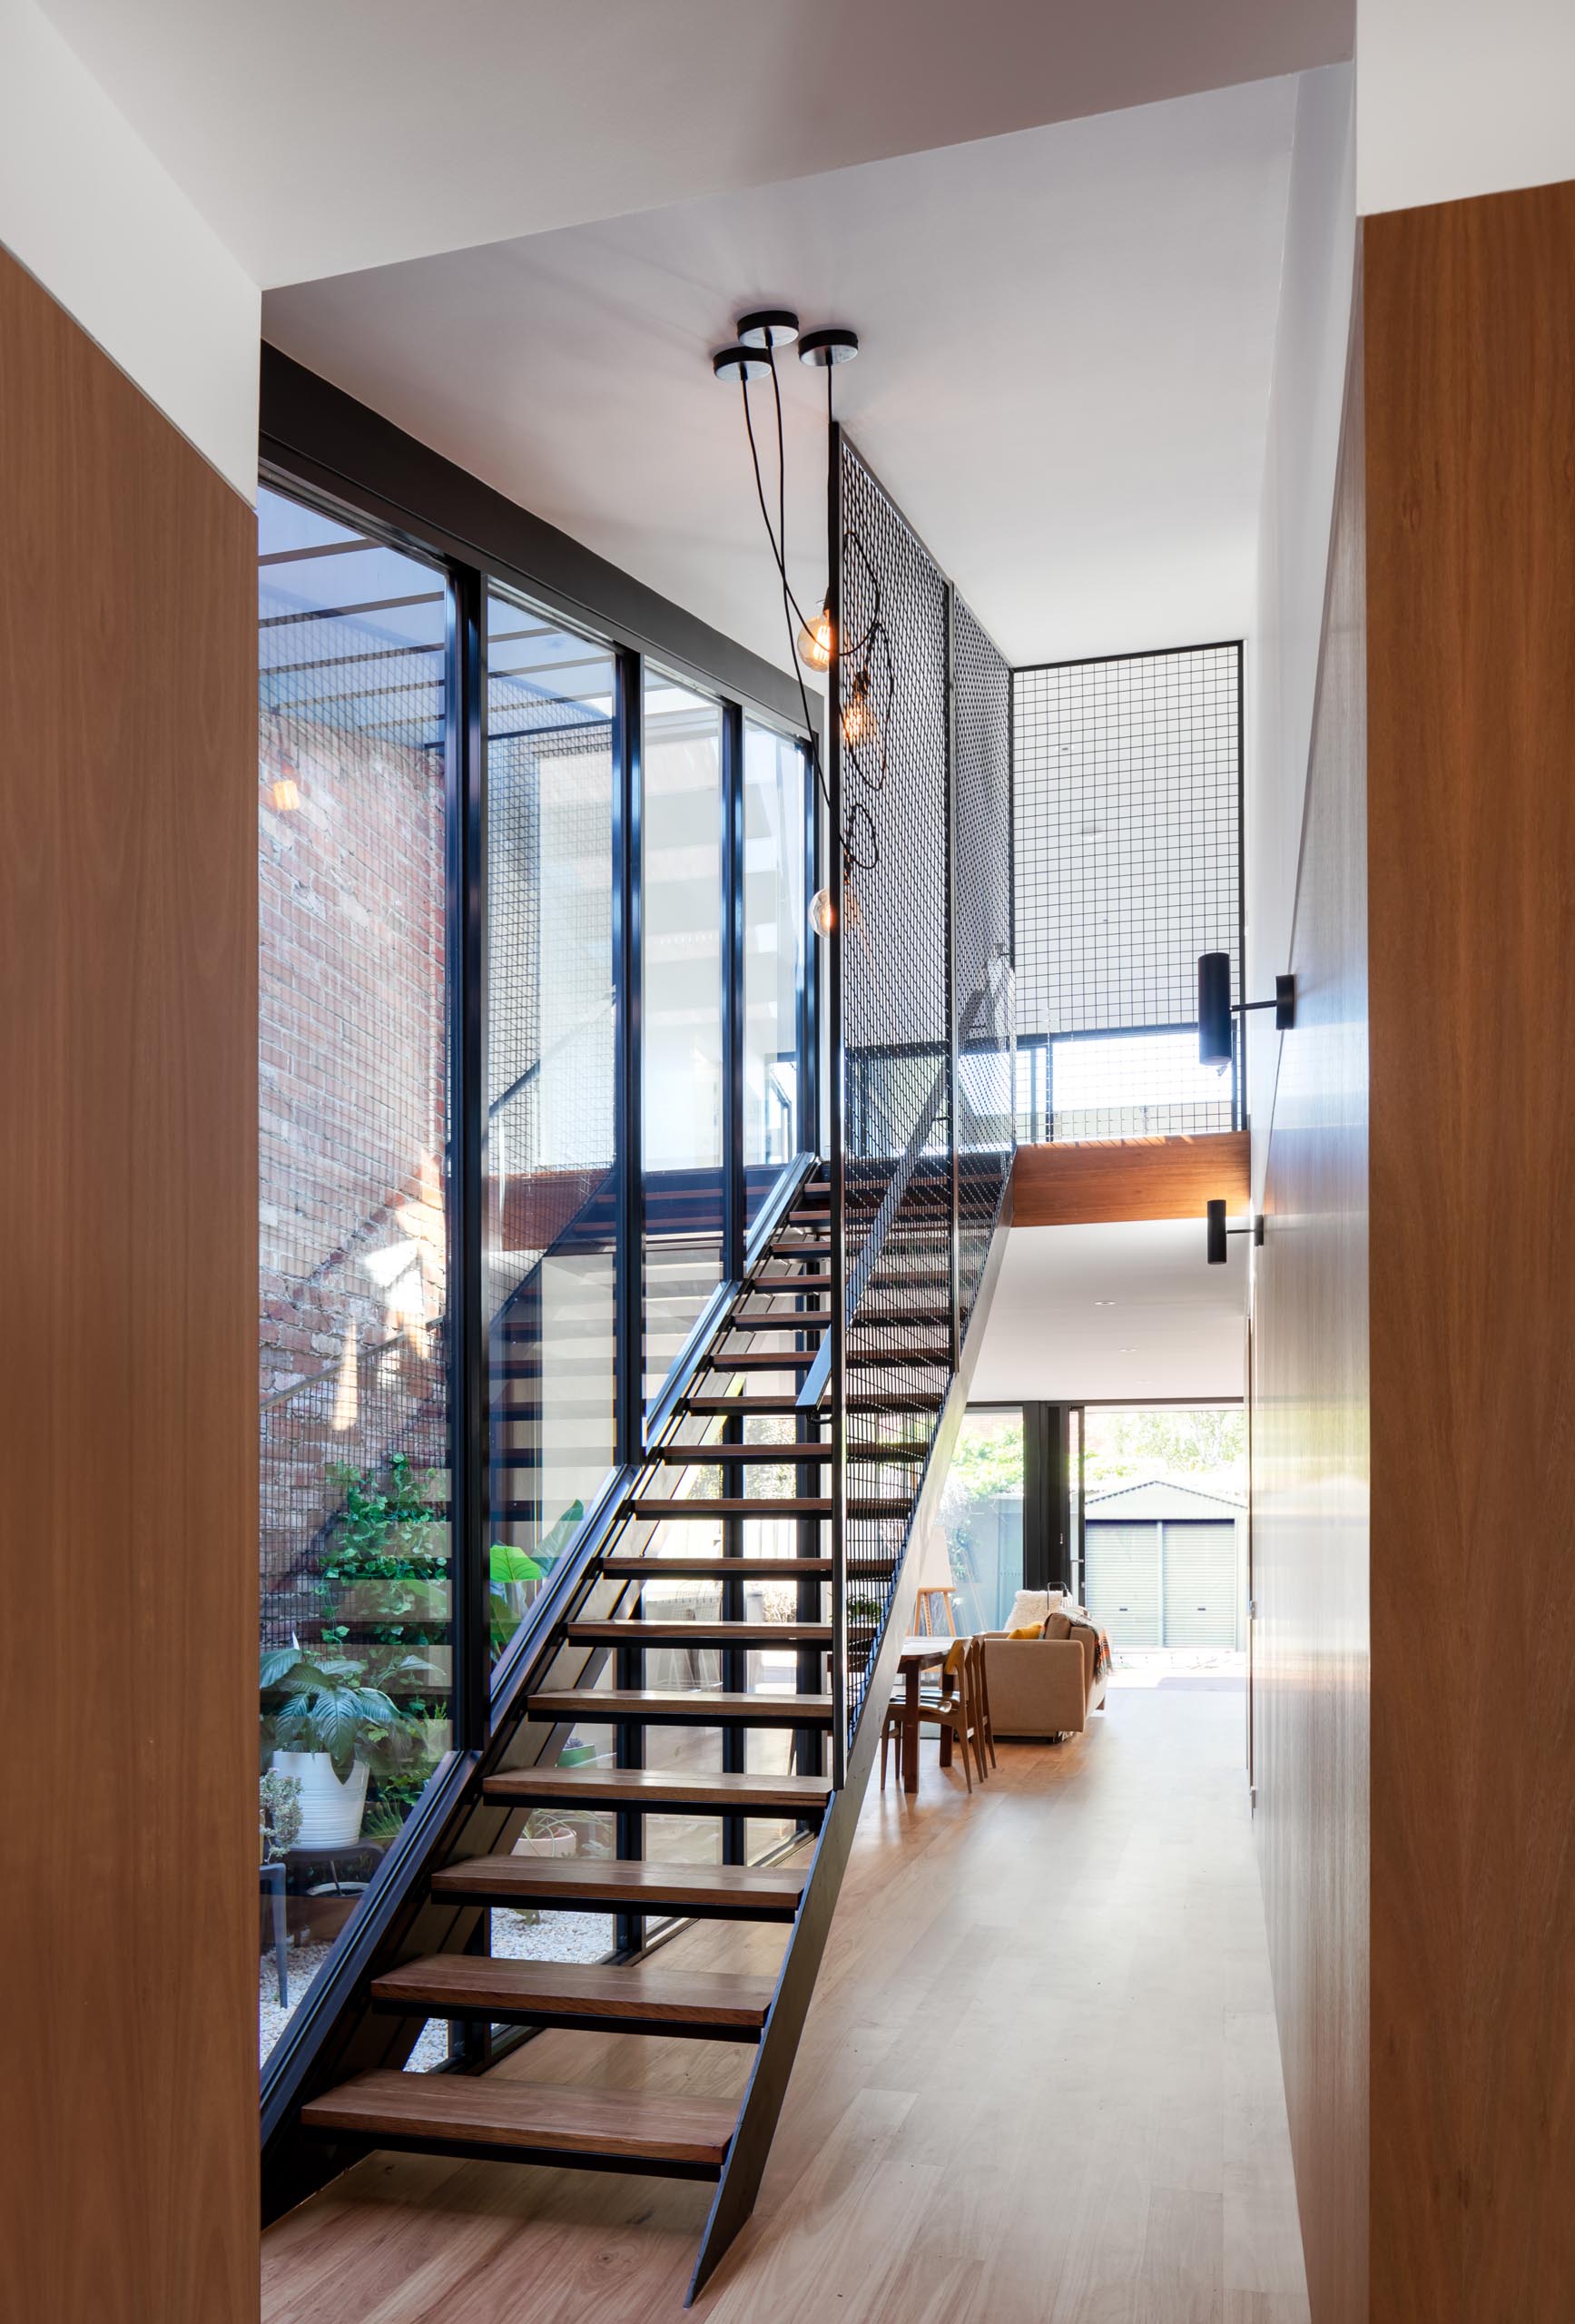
{"x": 768, "y": 327}
{"x": 866, "y": 713}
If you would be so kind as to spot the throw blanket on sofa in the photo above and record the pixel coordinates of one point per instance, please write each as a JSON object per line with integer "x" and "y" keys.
{"x": 1102, "y": 1658}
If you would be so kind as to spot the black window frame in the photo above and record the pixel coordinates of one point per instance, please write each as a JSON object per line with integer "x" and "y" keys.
{"x": 321, "y": 447}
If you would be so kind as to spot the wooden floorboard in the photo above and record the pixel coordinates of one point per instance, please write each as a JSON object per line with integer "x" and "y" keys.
{"x": 1040, "y": 2084}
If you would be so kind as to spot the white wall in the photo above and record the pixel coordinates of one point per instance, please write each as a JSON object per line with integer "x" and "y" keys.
{"x": 1117, "y": 1311}
{"x": 1461, "y": 97}
{"x": 1295, "y": 516}
{"x": 88, "y": 211}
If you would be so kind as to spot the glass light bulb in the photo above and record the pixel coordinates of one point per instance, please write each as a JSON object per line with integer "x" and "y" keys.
{"x": 286, "y": 794}
{"x": 816, "y": 638}
{"x": 822, "y": 918}
{"x": 857, "y": 713}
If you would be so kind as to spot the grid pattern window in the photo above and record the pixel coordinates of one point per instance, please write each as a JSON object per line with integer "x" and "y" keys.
{"x": 895, "y": 775}
{"x": 550, "y": 1214}
{"x": 1129, "y": 776}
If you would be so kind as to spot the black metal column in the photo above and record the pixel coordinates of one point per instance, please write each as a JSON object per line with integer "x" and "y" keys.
{"x": 468, "y": 1349}
{"x": 630, "y": 1417}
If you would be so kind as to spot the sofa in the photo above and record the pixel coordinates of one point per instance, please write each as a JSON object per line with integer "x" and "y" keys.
{"x": 1044, "y": 1686}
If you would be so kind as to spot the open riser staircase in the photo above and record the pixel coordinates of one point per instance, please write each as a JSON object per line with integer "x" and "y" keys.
{"x": 745, "y": 1466}
{"x": 709, "y": 1657}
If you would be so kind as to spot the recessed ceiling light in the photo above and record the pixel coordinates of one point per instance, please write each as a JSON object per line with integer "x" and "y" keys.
{"x": 1104, "y": 1302}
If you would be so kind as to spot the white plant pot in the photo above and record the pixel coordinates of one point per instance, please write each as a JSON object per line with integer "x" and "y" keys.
{"x": 330, "y": 1811}
{"x": 546, "y": 1844}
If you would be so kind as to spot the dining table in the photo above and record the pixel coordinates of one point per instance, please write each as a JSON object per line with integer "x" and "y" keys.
{"x": 918, "y": 1655}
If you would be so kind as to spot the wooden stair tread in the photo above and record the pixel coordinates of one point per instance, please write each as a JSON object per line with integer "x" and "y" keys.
{"x": 631, "y": 1568}
{"x": 773, "y": 1890}
{"x": 633, "y": 1632}
{"x": 654, "y": 1787}
{"x": 642, "y": 1506}
{"x": 797, "y": 1319}
{"x": 616, "y": 1704}
{"x": 490, "y": 2110}
{"x": 713, "y": 1455}
{"x": 758, "y": 1283}
{"x": 696, "y": 1510}
{"x": 462, "y": 1983}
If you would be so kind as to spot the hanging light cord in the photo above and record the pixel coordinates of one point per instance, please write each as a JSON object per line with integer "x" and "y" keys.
{"x": 858, "y": 822}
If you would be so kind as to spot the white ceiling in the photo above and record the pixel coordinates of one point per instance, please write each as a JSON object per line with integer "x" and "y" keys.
{"x": 316, "y": 138}
{"x": 1099, "y": 1314}
{"x": 1068, "y": 336}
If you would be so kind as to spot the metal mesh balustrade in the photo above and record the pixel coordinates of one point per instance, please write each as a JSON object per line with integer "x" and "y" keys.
{"x": 903, "y": 1093}
{"x": 1128, "y": 782}
{"x": 982, "y": 951}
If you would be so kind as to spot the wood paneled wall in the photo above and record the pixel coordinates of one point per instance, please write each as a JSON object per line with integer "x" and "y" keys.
{"x": 1470, "y": 515}
{"x": 1310, "y": 1463}
{"x": 1414, "y": 1390}
{"x": 1108, "y": 1179}
{"x": 129, "y": 1935}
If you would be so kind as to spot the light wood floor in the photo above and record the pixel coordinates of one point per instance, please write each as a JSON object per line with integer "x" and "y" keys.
{"x": 1040, "y": 2084}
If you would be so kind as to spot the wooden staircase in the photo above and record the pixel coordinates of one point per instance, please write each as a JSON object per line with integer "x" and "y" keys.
{"x": 757, "y": 1412}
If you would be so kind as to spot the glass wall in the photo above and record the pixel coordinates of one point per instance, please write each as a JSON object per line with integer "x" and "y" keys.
{"x": 549, "y": 1218}
{"x": 682, "y": 1116}
{"x": 775, "y": 935}
{"x": 355, "y": 1568}
{"x": 981, "y": 1516}
{"x": 447, "y": 1234}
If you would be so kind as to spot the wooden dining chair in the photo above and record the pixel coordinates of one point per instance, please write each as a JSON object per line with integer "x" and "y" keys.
{"x": 981, "y": 1698}
{"x": 952, "y": 1707}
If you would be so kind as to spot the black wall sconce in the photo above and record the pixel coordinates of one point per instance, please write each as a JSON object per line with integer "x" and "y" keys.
{"x": 1218, "y": 1230}
{"x": 1216, "y": 1009}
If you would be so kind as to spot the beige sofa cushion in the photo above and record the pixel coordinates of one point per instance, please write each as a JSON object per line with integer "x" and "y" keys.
{"x": 1056, "y": 1625}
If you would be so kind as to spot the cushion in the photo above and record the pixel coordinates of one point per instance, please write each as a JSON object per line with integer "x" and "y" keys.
{"x": 1029, "y": 1629}
{"x": 1056, "y": 1625}
{"x": 1028, "y": 1606}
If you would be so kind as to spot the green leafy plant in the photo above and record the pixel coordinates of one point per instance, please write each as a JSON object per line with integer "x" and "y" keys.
{"x": 316, "y": 1699}
{"x": 388, "y": 1552}
{"x": 511, "y": 1570}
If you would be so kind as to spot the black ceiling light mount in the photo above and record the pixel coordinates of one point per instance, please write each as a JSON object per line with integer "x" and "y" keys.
{"x": 1218, "y": 1230}
{"x": 740, "y": 364}
{"x": 768, "y": 327}
{"x": 812, "y": 637}
{"x": 825, "y": 349}
{"x": 1216, "y": 1009}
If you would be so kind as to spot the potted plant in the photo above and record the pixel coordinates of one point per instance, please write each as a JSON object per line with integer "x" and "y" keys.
{"x": 327, "y": 1727}
{"x": 546, "y": 1834}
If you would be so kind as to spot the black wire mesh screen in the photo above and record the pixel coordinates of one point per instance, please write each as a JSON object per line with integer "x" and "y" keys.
{"x": 982, "y": 948}
{"x": 1127, "y": 775}
{"x": 898, "y": 1004}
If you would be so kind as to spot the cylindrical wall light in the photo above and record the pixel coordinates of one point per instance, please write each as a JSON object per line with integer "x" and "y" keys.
{"x": 1216, "y": 1009}
{"x": 1218, "y": 1229}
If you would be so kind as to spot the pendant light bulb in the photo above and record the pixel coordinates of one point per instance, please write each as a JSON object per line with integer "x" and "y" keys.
{"x": 858, "y": 712}
{"x": 816, "y": 639}
{"x": 823, "y": 917}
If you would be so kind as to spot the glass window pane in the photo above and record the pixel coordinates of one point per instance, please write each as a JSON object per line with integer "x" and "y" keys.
{"x": 550, "y": 1213}
{"x": 681, "y": 1016}
{"x": 773, "y": 952}
{"x": 354, "y": 1562}
{"x": 981, "y": 1515}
